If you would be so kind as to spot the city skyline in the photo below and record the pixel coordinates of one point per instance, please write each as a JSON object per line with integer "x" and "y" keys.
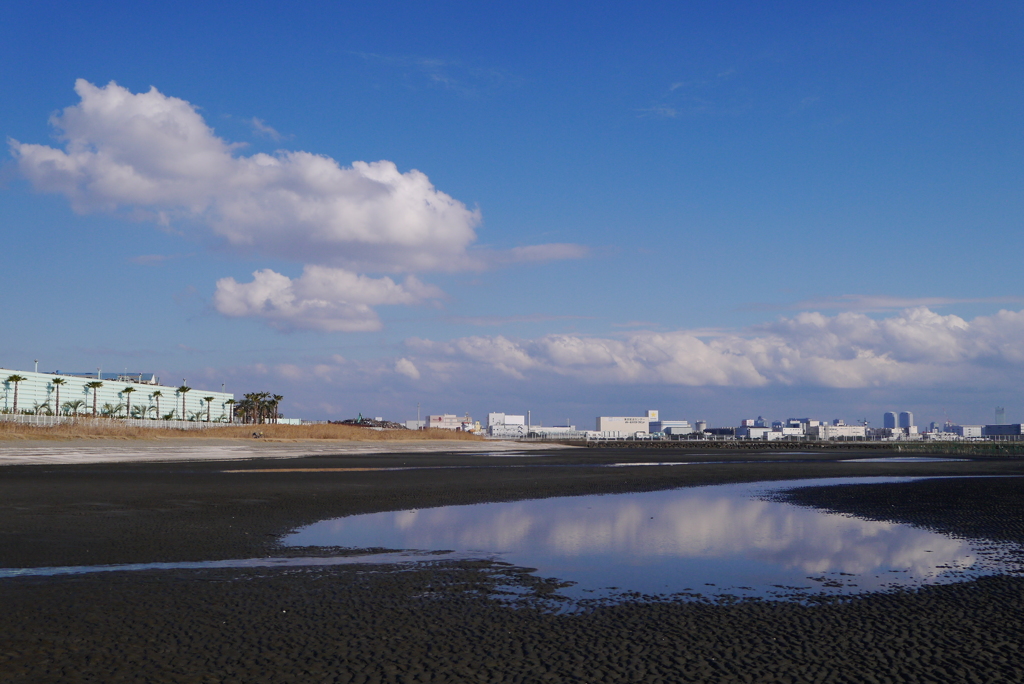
{"x": 720, "y": 210}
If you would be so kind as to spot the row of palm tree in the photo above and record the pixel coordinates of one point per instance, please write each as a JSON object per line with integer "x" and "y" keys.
{"x": 112, "y": 410}
{"x": 259, "y": 407}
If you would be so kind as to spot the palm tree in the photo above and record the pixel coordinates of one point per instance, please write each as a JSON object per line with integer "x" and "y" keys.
{"x": 231, "y": 410}
{"x": 209, "y": 402}
{"x": 263, "y": 404}
{"x": 15, "y": 379}
{"x": 94, "y": 385}
{"x": 112, "y": 410}
{"x": 73, "y": 407}
{"x": 57, "y": 382}
{"x": 249, "y": 407}
{"x": 127, "y": 392}
{"x": 156, "y": 395}
{"x": 183, "y": 390}
{"x": 275, "y": 401}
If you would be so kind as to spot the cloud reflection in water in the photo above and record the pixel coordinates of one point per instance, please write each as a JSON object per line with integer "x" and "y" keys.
{"x": 664, "y": 541}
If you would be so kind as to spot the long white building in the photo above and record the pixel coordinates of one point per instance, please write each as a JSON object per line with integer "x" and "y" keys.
{"x": 139, "y": 393}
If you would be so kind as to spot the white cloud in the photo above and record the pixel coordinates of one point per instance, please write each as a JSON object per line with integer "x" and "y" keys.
{"x": 156, "y": 152}
{"x": 322, "y": 298}
{"x": 850, "y": 350}
{"x": 152, "y": 155}
{"x": 407, "y": 368}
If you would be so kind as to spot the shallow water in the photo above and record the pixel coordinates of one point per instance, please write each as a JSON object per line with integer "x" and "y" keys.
{"x": 712, "y": 541}
{"x": 723, "y": 539}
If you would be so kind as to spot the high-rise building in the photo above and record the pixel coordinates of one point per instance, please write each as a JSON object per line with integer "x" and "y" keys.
{"x": 906, "y": 419}
{"x": 889, "y": 420}
{"x": 1000, "y": 415}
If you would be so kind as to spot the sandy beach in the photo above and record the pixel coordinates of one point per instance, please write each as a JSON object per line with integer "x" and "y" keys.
{"x": 446, "y": 621}
{"x": 83, "y": 451}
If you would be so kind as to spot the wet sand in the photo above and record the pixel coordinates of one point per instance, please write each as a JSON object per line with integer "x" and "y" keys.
{"x": 447, "y": 622}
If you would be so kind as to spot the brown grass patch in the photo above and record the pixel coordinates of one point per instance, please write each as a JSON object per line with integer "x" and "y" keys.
{"x": 113, "y": 429}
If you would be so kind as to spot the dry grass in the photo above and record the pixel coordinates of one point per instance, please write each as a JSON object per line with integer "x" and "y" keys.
{"x": 113, "y": 429}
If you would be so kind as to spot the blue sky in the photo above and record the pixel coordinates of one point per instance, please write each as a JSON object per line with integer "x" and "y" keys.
{"x": 719, "y": 210}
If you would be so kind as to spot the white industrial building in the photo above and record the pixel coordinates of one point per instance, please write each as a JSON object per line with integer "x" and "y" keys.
{"x": 119, "y": 394}
{"x": 450, "y": 421}
{"x": 967, "y": 431}
{"x": 506, "y": 426}
{"x": 672, "y": 427}
{"x": 627, "y": 425}
{"x": 827, "y": 432}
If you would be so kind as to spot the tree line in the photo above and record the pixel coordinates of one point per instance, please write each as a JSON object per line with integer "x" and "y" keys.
{"x": 258, "y": 408}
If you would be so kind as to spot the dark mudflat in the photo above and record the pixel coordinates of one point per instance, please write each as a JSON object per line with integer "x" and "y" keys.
{"x": 447, "y": 622}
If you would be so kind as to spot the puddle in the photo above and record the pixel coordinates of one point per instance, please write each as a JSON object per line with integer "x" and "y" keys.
{"x": 715, "y": 540}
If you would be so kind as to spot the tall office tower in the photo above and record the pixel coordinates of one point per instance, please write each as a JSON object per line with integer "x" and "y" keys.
{"x": 906, "y": 419}
{"x": 890, "y": 420}
{"x": 1000, "y": 415}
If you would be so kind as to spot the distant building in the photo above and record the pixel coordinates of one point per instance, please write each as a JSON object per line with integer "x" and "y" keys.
{"x": 753, "y": 432}
{"x": 627, "y": 424}
{"x": 506, "y": 425}
{"x": 700, "y": 425}
{"x": 1013, "y": 430}
{"x": 555, "y": 431}
{"x": 447, "y": 421}
{"x": 1000, "y": 415}
{"x": 505, "y": 419}
{"x": 827, "y": 432}
{"x": 889, "y": 420}
{"x": 966, "y": 431}
{"x": 672, "y": 427}
{"x": 906, "y": 420}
